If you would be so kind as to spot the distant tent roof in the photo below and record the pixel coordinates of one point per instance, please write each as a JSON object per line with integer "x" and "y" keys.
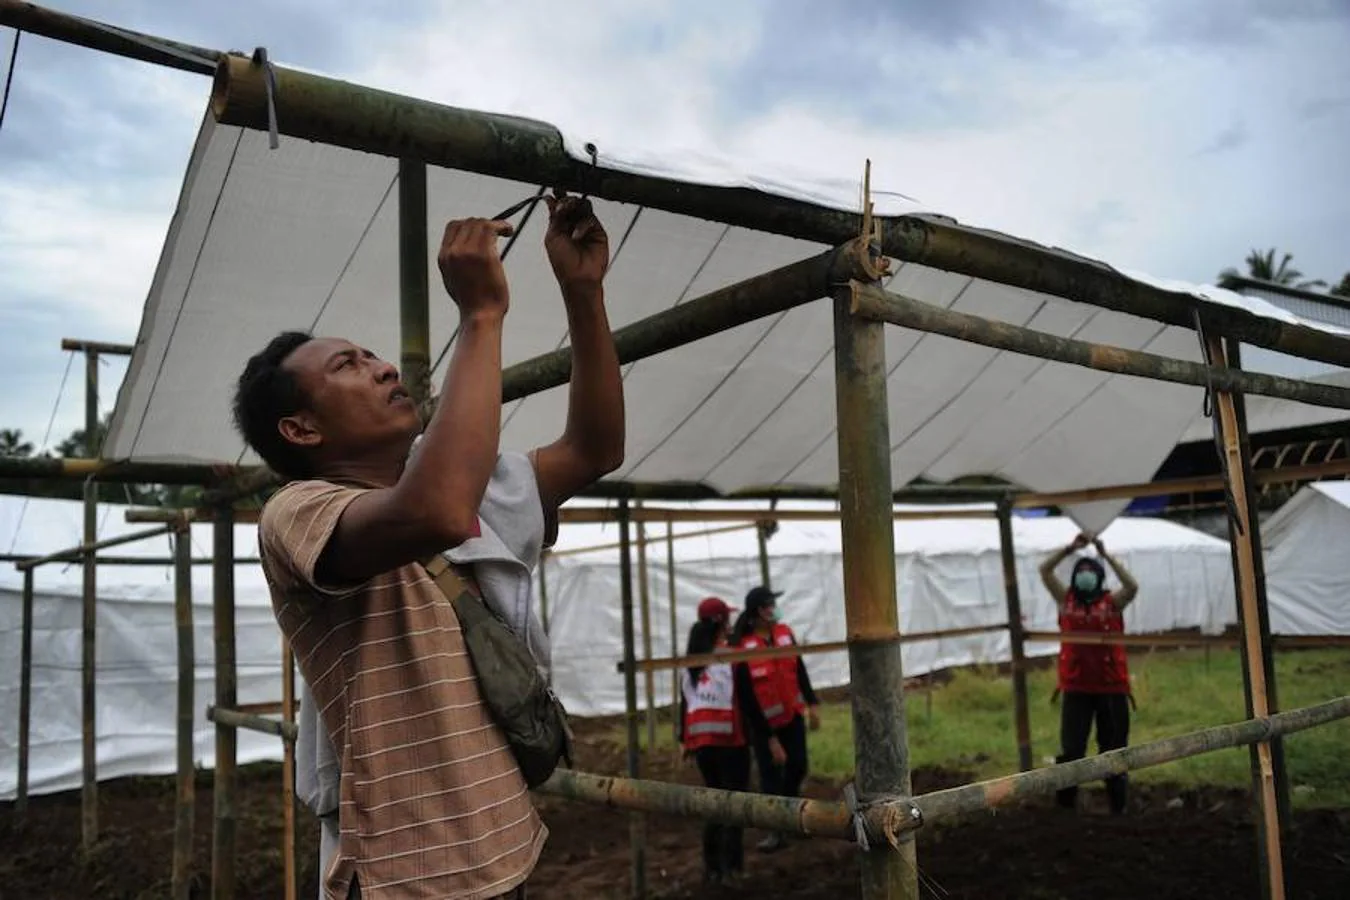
{"x": 1307, "y": 579}
{"x": 304, "y": 236}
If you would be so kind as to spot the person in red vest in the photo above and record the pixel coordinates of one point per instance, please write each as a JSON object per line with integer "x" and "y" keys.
{"x": 783, "y": 691}
{"x": 717, "y": 708}
{"x": 1094, "y": 679}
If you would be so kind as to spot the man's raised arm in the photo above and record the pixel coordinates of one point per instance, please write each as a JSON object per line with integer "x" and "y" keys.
{"x": 592, "y": 442}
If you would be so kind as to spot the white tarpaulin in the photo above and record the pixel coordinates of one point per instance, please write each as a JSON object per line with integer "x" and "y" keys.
{"x": 1307, "y": 579}
{"x": 948, "y": 573}
{"x": 304, "y": 237}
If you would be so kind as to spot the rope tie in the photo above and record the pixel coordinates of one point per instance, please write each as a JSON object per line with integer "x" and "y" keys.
{"x": 893, "y": 818}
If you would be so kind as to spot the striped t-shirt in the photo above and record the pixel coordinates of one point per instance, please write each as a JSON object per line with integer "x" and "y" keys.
{"x": 432, "y": 802}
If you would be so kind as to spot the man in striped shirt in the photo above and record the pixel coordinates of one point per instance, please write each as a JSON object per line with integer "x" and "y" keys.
{"x": 431, "y": 801}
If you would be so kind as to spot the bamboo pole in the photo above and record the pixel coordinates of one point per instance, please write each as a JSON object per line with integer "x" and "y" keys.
{"x": 543, "y": 591}
{"x": 1279, "y": 641}
{"x": 614, "y": 545}
{"x": 1229, "y": 438}
{"x": 956, "y": 803}
{"x": 89, "y": 618}
{"x": 1281, "y": 772}
{"x": 414, "y": 293}
{"x": 1335, "y": 468}
{"x": 879, "y": 723}
{"x": 223, "y": 835}
{"x": 25, "y": 696}
{"x": 229, "y": 720}
{"x": 637, "y": 831}
{"x": 316, "y": 108}
{"x": 110, "y": 471}
{"x": 762, "y": 541}
{"x": 74, "y": 553}
{"x": 101, "y": 348}
{"x": 892, "y": 818}
{"x": 186, "y": 804}
{"x": 735, "y": 656}
{"x": 155, "y": 561}
{"x": 288, "y": 771}
{"x": 88, "y": 33}
{"x": 674, "y": 635}
{"x": 1016, "y": 632}
{"x": 645, "y": 596}
{"x": 885, "y": 306}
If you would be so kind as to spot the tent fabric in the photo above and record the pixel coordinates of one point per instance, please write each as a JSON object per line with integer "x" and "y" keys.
{"x": 305, "y": 236}
{"x": 1307, "y": 581}
{"x": 949, "y": 574}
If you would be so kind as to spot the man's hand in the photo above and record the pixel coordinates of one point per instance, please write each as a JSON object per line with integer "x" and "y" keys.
{"x": 471, "y": 266}
{"x": 1079, "y": 542}
{"x": 576, "y": 243}
{"x": 813, "y": 718}
{"x": 1101, "y": 548}
{"x": 777, "y": 752}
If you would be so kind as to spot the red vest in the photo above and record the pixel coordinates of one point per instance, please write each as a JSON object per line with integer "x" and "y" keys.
{"x": 711, "y": 715}
{"x": 775, "y": 680}
{"x": 1093, "y": 668}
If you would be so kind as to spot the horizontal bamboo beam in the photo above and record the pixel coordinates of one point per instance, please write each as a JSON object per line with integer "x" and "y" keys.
{"x": 886, "y": 306}
{"x": 97, "y": 36}
{"x": 656, "y": 539}
{"x": 111, "y": 471}
{"x": 233, "y": 718}
{"x": 1335, "y": 468}
{"x": 1282, "y": 641}
{"x": 792, "y": 815}
{"x": 735, "y": 656}
{"x": 950, "y": 805}
{"x": 887, "y": 820}
{"x": 316, "y": 108}
{"x": 591, "y": 515}
{"x": 79, "y": 552}
{"x": 135, "y": 560}
{"x": 100, "y": 347}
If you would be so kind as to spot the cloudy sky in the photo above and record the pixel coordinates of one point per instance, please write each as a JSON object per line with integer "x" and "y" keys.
{"x": 1166, "y": 137}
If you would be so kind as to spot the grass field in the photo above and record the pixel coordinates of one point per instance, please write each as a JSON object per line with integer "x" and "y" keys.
{"x": 971, "y": 722}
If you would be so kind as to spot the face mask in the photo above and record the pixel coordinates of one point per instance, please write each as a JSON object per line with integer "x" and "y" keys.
{"x": 1085, "y": 581}
{"x": 770, "y": 614}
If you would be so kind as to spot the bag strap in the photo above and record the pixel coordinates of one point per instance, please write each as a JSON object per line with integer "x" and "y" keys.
{"x": 445, "y": 577}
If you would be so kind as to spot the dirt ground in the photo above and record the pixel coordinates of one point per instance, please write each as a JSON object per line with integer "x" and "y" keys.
{"x": 1172, "y": 844}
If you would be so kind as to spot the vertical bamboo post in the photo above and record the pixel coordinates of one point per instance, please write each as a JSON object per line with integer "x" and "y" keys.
{"x": 414, "y": 294}
{"x": 872, "y": 616}
{"x": 637, "y": 823}
{"x": 763, "y": 542}
{"x": 674, "y": 634}
{"x": 1016, "y": 629}
{"x": 288, "y": 771}
{"x": 89, "y": 625}
{"x": 185, "y": 808}
{"x": 223, "y": 836}
{"x": 1229, "y": 437}
{"x": 25, "y": 695}
{"x": 645, "y": 595}
{"x": 543, "y": 591}
{"x": 1233, "y": 349}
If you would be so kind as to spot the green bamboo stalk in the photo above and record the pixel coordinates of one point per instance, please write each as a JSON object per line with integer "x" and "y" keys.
{"x": 875, "y": 303}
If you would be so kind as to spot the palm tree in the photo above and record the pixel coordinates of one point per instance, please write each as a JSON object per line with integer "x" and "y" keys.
{"x": 13, "y": 444}
{"x": 1262, "y": 267}
{"x": 1343, "y": 289}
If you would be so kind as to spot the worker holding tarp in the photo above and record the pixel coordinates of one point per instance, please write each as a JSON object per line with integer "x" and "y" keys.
{"x": 1094, "y": 679}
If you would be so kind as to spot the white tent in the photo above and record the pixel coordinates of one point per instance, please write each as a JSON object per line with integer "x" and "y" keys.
{"x": 304, "y": 236}
{"x": 948, "y": 572}
{"x": 1307, "y": 579}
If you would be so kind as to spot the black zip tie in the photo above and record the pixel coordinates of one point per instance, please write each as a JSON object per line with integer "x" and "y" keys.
{"x": 270, "y": 88}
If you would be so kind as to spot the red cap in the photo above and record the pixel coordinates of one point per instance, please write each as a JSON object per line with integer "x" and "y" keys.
{"x": 713, "y": 608}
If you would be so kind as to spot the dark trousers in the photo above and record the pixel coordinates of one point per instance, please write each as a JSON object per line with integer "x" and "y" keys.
{"x": 1112, "y": 714}
{"x": 728, "y": 769}
{"x": 785, "y": 780}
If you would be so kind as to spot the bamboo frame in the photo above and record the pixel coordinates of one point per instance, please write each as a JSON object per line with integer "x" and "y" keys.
{"x": 186, "y": 802}
{"x": 644, "y": 541}
{"x": 886, "y": 306}
{"x": 1017, "y": 633}
{"x": 89, "y": 621}
{"x": 225, "y": 817}
{"x": 25, "y": 697}
{"x": 645, "y": 608}
{"x": 75, "y": 553}
{"x": 892, "y": 820}
{"x": 637, "y": 831}
{"x": 332, "y": 112}
{"x": 288, "y": 772}
{"x": 228, "y": 719}
{"x": 101, "y": 348}
{"x": 872, "y": 616}
{"x": 1280, "y": 641}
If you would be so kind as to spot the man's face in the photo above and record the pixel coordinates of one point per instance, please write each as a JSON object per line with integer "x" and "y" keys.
{"x": 355, "y": 402}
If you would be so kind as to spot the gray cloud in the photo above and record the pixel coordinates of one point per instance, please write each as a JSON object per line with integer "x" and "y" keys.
{"x": 1233, "y": 137}
{"x": 1235, "y": 22}
{"x": 1321, "y": 107}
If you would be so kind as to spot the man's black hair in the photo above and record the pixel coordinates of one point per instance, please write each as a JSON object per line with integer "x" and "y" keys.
{"x": 267, "y": 393}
